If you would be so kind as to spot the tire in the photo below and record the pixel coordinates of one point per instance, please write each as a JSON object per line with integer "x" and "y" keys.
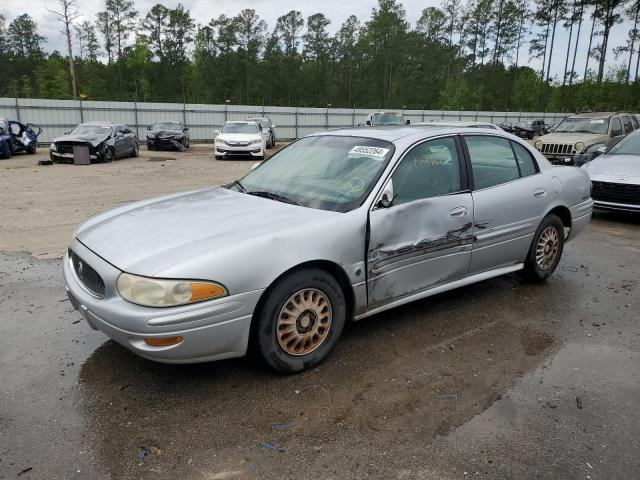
{"x": 109, "y": 155}
{"x": 260, "y": 158}
{"x": 136, "y": 150}
{"x": 323, "y": 320}
{"x": 150, "y": 147}
{"x": 31, "y": 150}
{"x": 219, "y": 157}
{"x": 5, "y": 151}
{"x": 538, "y": 265}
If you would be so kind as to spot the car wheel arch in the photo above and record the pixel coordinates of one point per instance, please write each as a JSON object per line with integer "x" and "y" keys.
{"x": 328, "y": 266}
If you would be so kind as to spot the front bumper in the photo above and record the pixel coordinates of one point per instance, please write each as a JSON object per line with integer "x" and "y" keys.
{"x": 66, "y": 157}
{"x": 163, "y": 142}
{"x": 248, "y": 150}
{"x": 211, "y": 330}
{"x": 620, "y": 207}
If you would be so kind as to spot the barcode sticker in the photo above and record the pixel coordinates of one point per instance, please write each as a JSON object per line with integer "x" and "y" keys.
{"x": 362, "y": 150}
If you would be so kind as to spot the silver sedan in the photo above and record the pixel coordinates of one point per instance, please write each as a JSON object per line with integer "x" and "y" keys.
{"x": 338, "y": 226}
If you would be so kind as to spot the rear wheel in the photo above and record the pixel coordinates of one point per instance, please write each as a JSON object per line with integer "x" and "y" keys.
{"x": 301, "y": 321}
{"x": 546, "y": 249}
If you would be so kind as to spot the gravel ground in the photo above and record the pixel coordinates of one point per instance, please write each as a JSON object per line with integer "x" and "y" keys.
{"x": 500, "y": 379}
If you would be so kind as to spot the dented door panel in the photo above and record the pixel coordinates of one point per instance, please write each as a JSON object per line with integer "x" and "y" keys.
{"x": 418, "y": 245}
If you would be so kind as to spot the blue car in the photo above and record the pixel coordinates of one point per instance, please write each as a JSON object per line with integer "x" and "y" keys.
{"x": 17, "y": 137}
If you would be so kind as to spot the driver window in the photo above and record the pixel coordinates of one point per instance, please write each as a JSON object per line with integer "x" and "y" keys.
{"x": 429, "y": 170}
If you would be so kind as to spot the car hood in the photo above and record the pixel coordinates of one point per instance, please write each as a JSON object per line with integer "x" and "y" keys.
{"x": 171, "y": 133}
{"x": 94, "y": 140}
{"x": 239, "y": 137}
{"x": 572, "y": 138}
{"x": 147, "y": 237}
{"x": 616, "y": 166}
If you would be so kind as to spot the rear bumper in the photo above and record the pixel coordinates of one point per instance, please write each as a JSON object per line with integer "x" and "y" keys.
{"x": 580, "y": 217}
{"x": 210, "y": 330}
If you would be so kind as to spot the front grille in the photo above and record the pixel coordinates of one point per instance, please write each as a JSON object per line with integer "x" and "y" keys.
{"x": 616, "y": 192}
{"x": 65, "y": 148}
{"x": 87, "y": 275}
{"x": 557, "y": 148}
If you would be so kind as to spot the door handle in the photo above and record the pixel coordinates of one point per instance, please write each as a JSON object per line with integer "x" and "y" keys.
{"x": 540, "y": 192}
{"x": 459, "y": 212}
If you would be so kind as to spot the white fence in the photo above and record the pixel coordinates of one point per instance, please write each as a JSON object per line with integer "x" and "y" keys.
{"x": 56, "y": 116}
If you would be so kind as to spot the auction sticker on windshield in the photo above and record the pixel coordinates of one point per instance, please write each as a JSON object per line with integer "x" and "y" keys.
{"x": 377, "y": 153}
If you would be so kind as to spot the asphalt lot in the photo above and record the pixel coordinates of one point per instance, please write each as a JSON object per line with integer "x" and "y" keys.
{"x": 501, "y": 379}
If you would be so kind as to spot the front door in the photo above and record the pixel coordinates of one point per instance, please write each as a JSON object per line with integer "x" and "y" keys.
{"x": 424, "y": 238}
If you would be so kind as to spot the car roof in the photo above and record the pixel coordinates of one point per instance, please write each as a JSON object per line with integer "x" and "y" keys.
{"x": 166, "y": 120}
{"x": 258, "y": 118}
{"x": 392, "y": 133}
{"x": 596, "y": 114}
{"x": 240, "y": 121}
{"x": 452, "y": 123}
{"x": 102, "y": 124}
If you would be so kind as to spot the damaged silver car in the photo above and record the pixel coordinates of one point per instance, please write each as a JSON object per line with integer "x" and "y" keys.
{"x": 338, "y": 226}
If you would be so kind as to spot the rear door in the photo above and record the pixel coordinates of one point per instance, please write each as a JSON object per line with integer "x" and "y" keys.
{"x": 120, "y": 142}
{"x": 424, "y": 238}
{"x": 509, "y": 199}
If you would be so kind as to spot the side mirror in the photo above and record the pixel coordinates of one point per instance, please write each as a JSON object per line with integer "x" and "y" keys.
{"x": 408, "y": 122}
{"x": 67, "y": 132}
{"x": 615, "y": 133}
{"x": 255, "y": 165}
{"x": 273, "y": 126}
{"x": 387, "y": 197}
{"x": 368, "y": 122}
{"x": 185, "y": 129}
{"x": 216, "y": 133}
{"x": 148, "y": 128}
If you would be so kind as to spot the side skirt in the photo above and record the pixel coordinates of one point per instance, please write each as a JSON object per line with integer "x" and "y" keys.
{"x": 478, "y": 277}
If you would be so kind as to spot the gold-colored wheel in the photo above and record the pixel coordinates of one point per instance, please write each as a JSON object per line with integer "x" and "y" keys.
{"x": 304, "y": 321}
{"x": 547, "y": 248}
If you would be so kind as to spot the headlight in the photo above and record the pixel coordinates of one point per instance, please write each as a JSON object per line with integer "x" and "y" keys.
{"x": 53, "y": 147}
{"x": 220, "y": 141}
{"x": 538, "y": 144}
{"x": 151, "y": 136}
{"x": 155, "y": 292}
{"x": 578, "y": 147}
{"x": 256, "y": 142}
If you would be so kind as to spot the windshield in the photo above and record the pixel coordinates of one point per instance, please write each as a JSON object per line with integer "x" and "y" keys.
{"x": 387, "y": 119}
{"x": 629, "y": 145}
{"x": 166, "y": 126}
{"x": 583, "y": 125}
{"x": 239, "y": 128}
{"x": 91, "y": 130}
{"x": 325, "y": 172}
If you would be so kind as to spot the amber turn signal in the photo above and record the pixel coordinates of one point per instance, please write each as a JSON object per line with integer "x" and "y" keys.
{"x": 163, "y": 342}
{"x": 205, "y": 291}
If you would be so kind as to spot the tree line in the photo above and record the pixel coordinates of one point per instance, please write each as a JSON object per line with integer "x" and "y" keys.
{"x": 466, "y": 54}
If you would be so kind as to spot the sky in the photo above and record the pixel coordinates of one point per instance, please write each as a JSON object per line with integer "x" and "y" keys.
{"x": 269, "y": 10}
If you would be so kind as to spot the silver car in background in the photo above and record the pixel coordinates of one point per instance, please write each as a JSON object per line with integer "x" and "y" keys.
{"x": 615, "y": 176}
{"x": 337, "y": 226}
{"x": 239, "y": 138}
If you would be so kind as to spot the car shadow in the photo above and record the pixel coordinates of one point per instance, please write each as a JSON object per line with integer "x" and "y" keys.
{"x": 414, "y": 372}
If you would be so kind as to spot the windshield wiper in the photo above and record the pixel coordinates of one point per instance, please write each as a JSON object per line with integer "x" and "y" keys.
{"x": 273, "y": 196}
{"x": 236, "y": 183}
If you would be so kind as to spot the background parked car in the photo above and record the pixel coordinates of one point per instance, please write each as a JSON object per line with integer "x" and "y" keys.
{"x": 576, "y": 133}
{"x": 239, "y": 138}
{"x": 268, "y": 130}
{"x": 529, "y": 129}
{"x": 380, "y": 119}
{"x": 167, "y": 134}
{"x": 106, "y": 141}
{"x": 17, "y": 137}
{"x": 615, "y": 175}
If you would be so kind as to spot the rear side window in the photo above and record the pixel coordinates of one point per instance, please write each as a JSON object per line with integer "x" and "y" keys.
{"x": 634, "y": 122}
{"x": 492, "y": 161}
{"x": 525, "y": 160}
{"x": 626, "y": 121}
{"x": 616, "y": 126}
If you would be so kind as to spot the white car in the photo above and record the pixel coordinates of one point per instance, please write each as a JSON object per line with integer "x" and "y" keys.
{"x": 239, "y": 138}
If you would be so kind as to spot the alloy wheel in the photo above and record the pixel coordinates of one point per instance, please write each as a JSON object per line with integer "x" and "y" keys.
{"x": 304, "y": 322}
{"x": 547, "y": 248}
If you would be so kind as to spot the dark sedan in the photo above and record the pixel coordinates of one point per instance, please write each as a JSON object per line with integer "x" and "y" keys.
{"x": 168, "y": 135}
{"x": 106, "y": 141}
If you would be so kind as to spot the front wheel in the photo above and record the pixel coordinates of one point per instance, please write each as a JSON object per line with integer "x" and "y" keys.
{"x": 5, "y": 150}
{"x": 300, "y": 321}
{"x": 136, "y": 150}
{"x": 109, "y": 155}
{"x": 546, "y": 249}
